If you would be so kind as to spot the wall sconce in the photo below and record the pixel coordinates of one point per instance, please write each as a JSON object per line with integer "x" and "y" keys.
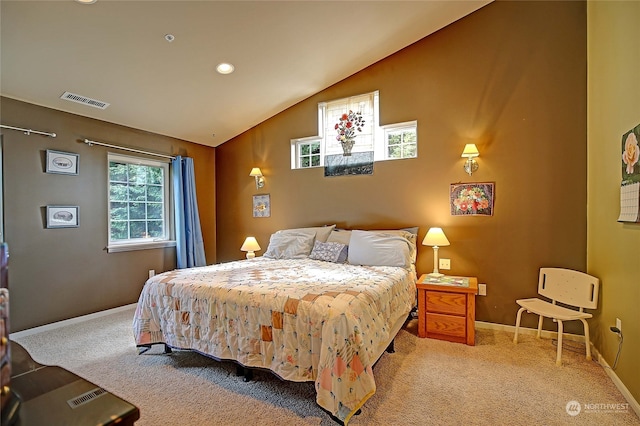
{"x": 250, "y": 245}
{"x": 255, "y": 172}
{"x": 435, "y": 237}
{"x": 470, "y": 152}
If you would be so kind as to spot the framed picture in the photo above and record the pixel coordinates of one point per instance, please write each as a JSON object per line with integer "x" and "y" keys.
{"x": 65, "y": 163}
{"x": 63, "y": 216}
{"x": 261, "y": 205}
{"x": 472, "y": 199}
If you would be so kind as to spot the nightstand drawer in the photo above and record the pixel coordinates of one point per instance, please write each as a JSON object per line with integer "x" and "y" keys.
{"x": 446, "y": 303}
{"x": 446, "y": 325}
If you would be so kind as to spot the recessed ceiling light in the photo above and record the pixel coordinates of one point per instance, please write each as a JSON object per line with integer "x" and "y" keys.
{"x": 225, "y": 68}
{"x": 169, "y": 37}
{"x": 87, "y": 1}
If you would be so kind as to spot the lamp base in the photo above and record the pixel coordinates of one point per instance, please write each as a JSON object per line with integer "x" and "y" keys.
{"x": 250, "y": 255}
{"x": 435, "y": 275}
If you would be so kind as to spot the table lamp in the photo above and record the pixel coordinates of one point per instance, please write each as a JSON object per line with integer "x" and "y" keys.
{"x": 435, "y": 237}
{"x": 250, "y": 245}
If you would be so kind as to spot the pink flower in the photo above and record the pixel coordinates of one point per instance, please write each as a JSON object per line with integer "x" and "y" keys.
{"x": 631, "y": 152}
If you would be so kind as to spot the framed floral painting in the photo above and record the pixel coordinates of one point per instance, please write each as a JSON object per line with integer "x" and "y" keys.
{"x": 472, "y": 199}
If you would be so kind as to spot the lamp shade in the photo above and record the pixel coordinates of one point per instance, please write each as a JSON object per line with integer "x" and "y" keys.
{"x": 256, "y": 172}
{"x": 435, "y": 237}
{"x": 470, "y": 151}
{"x": 250, "y": 244}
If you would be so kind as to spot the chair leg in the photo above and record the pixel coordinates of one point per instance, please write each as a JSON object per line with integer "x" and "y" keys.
{"x": 540, "y": 318}
{"x": 515, "y": 337}
{"x": 559, "y": 354}
{"x": 586, "y": 338}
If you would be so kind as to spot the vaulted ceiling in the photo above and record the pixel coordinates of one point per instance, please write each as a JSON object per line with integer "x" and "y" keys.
{"x": 117, "y": 52}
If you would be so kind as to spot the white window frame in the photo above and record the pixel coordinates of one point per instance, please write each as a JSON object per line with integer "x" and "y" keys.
{"x": 296, "y": 145}
{"x": 397, "y": 127}
{"x": 115, "y": 246}
{"x": 327, "y": 141}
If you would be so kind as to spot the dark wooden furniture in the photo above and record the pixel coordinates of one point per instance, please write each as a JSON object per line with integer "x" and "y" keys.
{"x": 52, "y": 395}
{"x": 34, "y": 394}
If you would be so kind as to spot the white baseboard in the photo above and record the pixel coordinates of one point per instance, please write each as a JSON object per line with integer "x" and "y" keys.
{"x": 532, "y": 331}
{"x": 54, "y": 325}
{"x": 574, "y": 337}
{"x": 616, "y": 380}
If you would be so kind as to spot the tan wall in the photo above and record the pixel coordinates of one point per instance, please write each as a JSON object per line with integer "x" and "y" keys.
{"x": 55, "y": 274}
{"x": 613, "y": 248}
{"x": 511, "y": 77}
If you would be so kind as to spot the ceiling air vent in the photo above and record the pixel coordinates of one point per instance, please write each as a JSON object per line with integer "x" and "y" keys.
{"x": 84, "y": 100}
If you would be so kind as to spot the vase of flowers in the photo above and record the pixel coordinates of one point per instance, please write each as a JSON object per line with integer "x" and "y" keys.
{"x": 347, "y": 126}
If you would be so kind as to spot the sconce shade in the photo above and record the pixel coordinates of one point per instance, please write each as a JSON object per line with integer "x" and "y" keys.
{"x": 470, "y": 151}
{"x": 257, "y": 174}
{"x": 435, "y": 237}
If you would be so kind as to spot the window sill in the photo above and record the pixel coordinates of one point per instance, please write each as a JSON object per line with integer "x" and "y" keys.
{"x": 116, "y": 248}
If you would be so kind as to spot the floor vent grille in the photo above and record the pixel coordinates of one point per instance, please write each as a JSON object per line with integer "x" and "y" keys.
{"x": 68, "y": 96}
{"x": 86, "y": 397}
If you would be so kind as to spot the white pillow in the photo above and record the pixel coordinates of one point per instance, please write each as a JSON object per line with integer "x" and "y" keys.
{"x": 411, "y": 234}
{"x": 339, "y": 236}
{"x": 321, "y": 232}
{"x": 290, "y": 245}
{"x": 379, "y": 249}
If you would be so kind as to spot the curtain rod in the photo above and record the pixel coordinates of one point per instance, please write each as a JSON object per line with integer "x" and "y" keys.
{"x": 124, "y": 148}
{"x": 28, "y": 131}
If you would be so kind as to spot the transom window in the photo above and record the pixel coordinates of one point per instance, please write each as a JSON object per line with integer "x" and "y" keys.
{"x": 391, "y": 142}
{"x": 401, "y": 141}
{"x": 138, "y": 200}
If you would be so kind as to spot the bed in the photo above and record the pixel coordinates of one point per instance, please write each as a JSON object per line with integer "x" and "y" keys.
{"x": 321, "y": 305}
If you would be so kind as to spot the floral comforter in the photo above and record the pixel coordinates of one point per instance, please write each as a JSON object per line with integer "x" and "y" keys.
{"x": 305, "y": 320}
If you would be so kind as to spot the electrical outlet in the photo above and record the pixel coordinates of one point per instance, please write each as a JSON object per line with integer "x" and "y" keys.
{"x": 482, "y": 289}
{"x": 619, "y": 324}
{"x": 152, "y": 273}
{"x": 445, "y": 264}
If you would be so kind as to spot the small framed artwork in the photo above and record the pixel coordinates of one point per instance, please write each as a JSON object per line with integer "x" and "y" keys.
{"x": 65, "y": 163}
{"x": 261, "y": 205}
{"x": 472, "y": 199}
{"x": 63, "y": 216}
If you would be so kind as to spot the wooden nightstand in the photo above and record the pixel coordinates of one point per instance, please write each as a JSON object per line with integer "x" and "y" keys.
{"x": 447, "y": 311}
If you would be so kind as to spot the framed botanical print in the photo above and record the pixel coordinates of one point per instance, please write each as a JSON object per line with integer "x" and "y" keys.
{"x": 261, "y": 205}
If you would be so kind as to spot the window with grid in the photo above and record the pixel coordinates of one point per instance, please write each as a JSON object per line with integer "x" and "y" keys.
{"x": 309, "y": 153}
{"x": 390, "y": 142}
{"x": 401, "y": 141}
{"x": 138, "y": 200}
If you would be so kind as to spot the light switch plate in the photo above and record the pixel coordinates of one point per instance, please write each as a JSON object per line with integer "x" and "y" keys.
{"x": 482, "y": 289}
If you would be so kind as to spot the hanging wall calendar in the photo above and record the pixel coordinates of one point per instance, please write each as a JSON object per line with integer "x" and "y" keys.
{"x": 630, "y": 186}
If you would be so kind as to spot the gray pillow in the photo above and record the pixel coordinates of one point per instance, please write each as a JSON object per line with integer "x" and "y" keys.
{"x": 329, "y": 252}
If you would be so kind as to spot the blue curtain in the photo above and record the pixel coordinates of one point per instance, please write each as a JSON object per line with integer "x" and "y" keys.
{"x": 189, "y": 242}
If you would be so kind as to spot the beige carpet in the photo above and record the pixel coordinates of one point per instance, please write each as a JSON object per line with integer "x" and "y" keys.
{"x": 424, "y": 382}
